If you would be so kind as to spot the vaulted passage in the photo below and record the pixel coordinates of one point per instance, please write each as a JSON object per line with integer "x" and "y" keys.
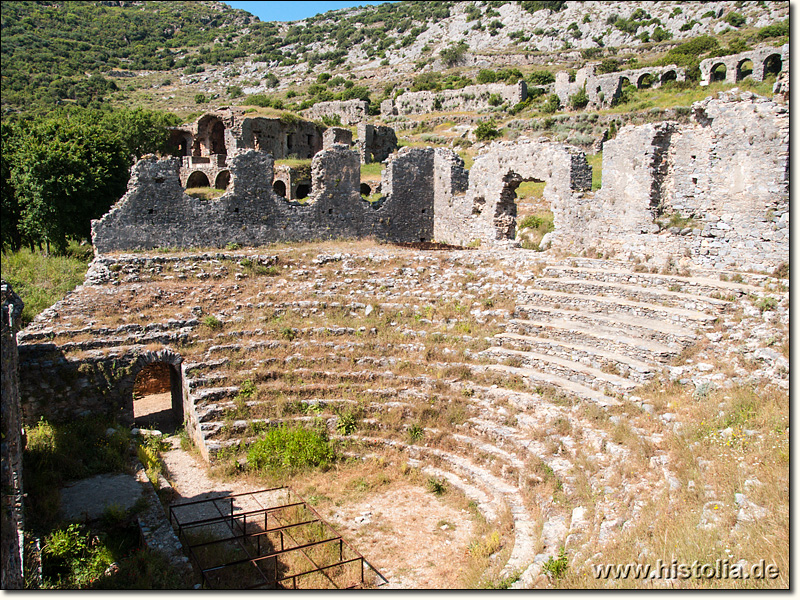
{"x": 157, "y": 401}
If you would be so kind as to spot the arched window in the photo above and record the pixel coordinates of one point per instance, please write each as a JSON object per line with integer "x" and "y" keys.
{"x": 223, "y": 180}
{"x": 279, "y": 188}
{"x": 198, "y": 179}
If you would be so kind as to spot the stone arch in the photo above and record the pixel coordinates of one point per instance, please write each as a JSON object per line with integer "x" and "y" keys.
{"x": 718, "y": 72}
{"x": 743, "y": 69}
{"x": 197, "y": 179}
{"x": 669, "y": 76}
{"x": 154, "y": 365}
{"x": 279, "y": 187}
{"x": 645, "y": 81}
{"x": 211, "y": 136}
{"x": 303, "y": 191}
{"x": 624, "y": 82}
{"x": 365, "y": 190}
{"x": 223, "y": 180}
{"x": 773, "y": 65}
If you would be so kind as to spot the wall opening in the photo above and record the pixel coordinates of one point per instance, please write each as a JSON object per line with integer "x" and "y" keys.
{"x": 719, "y": 72}
{"x": 197, "y": 179}
{"x": 279, "y": 188}
{"x": 365, "y": 190}
{"x": 645, "y": 81}
{"x": 223, "y": 180}
{"x": 216, "y": 138}
{"x": 534, "y": 213}
{"x": 157, "y": 397}
{"x": 773, "y": 65}
{"x": 744, "y": 69}
{"x": 303, "y": 190}
{"x": 668, "y": 77}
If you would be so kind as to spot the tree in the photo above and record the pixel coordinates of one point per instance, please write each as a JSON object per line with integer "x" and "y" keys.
{"x": 67, "y": 171}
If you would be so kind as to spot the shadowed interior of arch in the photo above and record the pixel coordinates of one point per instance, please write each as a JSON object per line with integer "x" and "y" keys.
{"x": 157, "y": 398}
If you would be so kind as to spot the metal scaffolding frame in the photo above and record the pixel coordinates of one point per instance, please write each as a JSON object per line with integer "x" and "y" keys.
{"x": 268, "y": 539}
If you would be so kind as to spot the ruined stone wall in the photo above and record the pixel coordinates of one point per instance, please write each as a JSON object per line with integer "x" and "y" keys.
{"x": 487, "y": 210}
{"x": 11, "y": 448}
{"x": 472, "y": 97}
{"x": 349, "y": 112}
{"x": 761, "y": 59}
{"x": 375, "y": 142}
{"x": 155, "y": 212}
{"x": 714, "y": 192}
{"x": 603, "y": 89}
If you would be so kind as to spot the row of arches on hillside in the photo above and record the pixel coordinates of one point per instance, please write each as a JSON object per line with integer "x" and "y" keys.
{"x": 199, "y": 179}
{"x": 773, "y": 65}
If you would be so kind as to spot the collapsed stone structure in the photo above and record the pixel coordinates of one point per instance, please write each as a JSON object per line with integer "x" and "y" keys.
{"x": 604, "y": 89}
{"x": 206, "y": 146}
{"x": 469, "y": 98}
{"x": 714, "y": 192}
{"x": 350, "y": 112}
{"x": 763, "y": 62}
{"x": 12, "y": 445}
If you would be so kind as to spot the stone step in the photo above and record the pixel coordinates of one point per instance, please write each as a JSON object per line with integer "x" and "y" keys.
{"x": 567, "y": 386}
{"x": 636, "y": 293}
{"x": 611, "y": 305}
{"x": 658, "y": 331}
{"x": 593, "y": 356}
{"x": 705, "y": 286}
{"x": 569, "y": 369}
{"x": 597, "y": 336}
{"x": 714, "y": 274}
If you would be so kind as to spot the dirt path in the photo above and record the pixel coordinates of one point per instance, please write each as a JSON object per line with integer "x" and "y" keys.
{"x": 413, "y": 538}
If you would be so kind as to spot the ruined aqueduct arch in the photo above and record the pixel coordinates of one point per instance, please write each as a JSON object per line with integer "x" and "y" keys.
{"x": 766, "y": 61}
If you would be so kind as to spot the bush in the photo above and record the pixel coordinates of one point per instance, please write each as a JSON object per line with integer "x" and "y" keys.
{"x": 486, "y": 131}
{"x": 286, "y": 449}
{"x": 235, "y": 91}
{"x": 200, "y": 99}
{"x": 543, "y": 77}
{"x": 579, "y": 100}
{"x": 556, "y": 567}
{"x": 552, "y": 105}
{"x": 495, "y": 100}
{"x": 452, "y": 55}
{"x": 735, "y": 19}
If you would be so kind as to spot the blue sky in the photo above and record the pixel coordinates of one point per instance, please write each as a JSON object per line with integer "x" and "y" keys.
{"x": 293, "y": 10}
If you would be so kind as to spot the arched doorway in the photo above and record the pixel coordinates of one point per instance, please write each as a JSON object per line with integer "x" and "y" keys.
{"x": 303, "y": 190}
{"x": 222, "y": 181}
{"x": 216, "y": 138}
{"x": 279, "y": 188}
{"x": 197, "y": 179}
{"x": 719, "y": 72}
{"x": 157, "y": 397}
{"x": 744, "y": 69}
{"x": 645, "y": 81}
{"x": 773, "y": 65}
{"x": 669, "y": 77}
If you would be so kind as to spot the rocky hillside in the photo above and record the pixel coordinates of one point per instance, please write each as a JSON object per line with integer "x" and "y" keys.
{"x": 55, "y": 52}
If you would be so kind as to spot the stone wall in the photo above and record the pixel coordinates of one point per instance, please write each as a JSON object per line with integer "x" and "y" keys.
{"x": 349, "y": 112}
{"x": 486, "y": 210}
{"x": 604, "y": 89}
{"x": 375, "y": 142}
{"x": 763, "y": 60}
{"x": 470, "y": 98}
{"x": 155, "y": 212}
{"x": 713, "y": 192}
{"x": 11, "y": 446}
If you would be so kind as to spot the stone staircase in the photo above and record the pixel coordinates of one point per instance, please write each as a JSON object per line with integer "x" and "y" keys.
{"x": 580, "y": 338}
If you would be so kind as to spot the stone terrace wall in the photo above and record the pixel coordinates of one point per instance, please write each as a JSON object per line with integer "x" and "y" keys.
{"x": 155, "y": 212}
{"x": 350, "y": 112}
{"x": 487, "y": 209}
{"x": 11, "y": 541}
{"x": 472, "y": 97}
{"x": 723, "y": 179}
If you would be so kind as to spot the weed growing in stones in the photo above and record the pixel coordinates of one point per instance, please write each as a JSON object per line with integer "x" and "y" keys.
{"x": 285, "y": 449}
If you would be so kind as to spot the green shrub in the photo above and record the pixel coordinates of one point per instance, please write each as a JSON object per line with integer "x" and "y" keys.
{"x": 495, "y": 100}
{"x": 542, "y": 77}
{"x": 735, "y": 19}
{"x": 436, "y": 486}
{"x": 211, "y": 322}
{"x": 579, "y": 100}
{"x": 556, "y": 567}
{"x": 552, "y": 105}
{"x": 200, "y": 99}
{"x": 486, "y": 131}
{"x": 285, "y": 449}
